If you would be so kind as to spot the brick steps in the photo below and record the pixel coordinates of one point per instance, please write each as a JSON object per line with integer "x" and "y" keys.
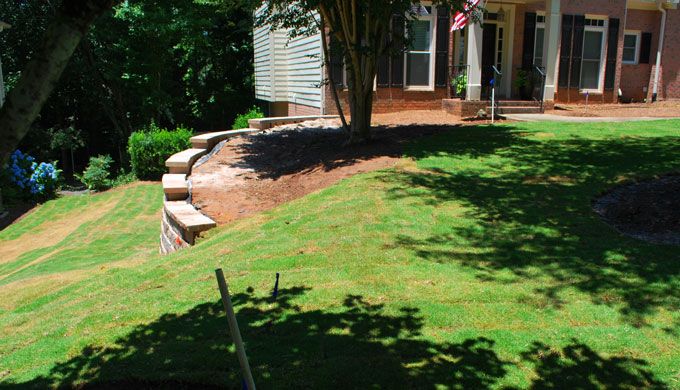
{"x": 183, "y": 161}
{"x": 175, "y": 186}
{"x": 209, "y": 140}
{"x": 515, "y": 110}
{"x": 518, "y": 103}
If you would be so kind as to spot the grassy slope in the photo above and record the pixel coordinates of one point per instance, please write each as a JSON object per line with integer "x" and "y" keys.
{"x": 480, "y": 265}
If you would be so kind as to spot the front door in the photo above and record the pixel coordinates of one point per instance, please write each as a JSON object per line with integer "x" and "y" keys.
{"x": 488, "y": 57}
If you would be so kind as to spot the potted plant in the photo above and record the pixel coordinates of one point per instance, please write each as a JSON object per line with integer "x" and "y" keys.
{"x": 459, "y": 84}
{"x": 523, "y": 84}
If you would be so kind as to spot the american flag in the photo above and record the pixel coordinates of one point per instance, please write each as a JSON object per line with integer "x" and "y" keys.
{"x": 461, "y": 18}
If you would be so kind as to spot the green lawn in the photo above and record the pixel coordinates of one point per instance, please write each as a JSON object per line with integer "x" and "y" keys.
{"x": 476, "y": 263}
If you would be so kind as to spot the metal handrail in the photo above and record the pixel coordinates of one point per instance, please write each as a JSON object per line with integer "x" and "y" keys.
{"x": 542, "y": 94}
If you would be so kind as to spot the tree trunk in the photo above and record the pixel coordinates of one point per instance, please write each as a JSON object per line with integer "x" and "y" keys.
{"x": 360, "y": 125}
{"x": 43, "y": 71}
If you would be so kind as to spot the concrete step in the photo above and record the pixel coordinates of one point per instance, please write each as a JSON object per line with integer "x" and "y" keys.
{"x": 209, "y": 140}
{"x": 183, "y": 161}
{"x": 515, "y": 110}
{"x": 517, "y": 103}
{"x": 187, "y": 217}
{"x": 175, "y": 186}
{"x": 266, "y": 123}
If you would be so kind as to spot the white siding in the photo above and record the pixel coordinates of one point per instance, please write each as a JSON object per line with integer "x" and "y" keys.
{"x": 287, "y": 70}
{"x": 304, "y": 71}
{"x": 263, "y": 63}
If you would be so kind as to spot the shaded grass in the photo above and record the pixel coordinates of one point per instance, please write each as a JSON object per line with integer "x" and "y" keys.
{"x": 479, "y": 264}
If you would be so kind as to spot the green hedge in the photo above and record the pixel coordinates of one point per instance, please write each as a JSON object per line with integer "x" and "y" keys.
{"x": 150, "y": 148}
{"x": 241, "y": 121}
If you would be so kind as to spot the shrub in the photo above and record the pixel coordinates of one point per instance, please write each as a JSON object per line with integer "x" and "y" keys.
{"x": 241, "y": 121}
{"x": 96, "y": 175}
{"x": 123, "y": 178}
{"x": 33, "y": 180}
{"x": 150, "y": 148}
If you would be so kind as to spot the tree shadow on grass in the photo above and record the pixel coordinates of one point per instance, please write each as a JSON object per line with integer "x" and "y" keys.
{"x": 530, "y": 207}
{"x": 354, "y": 345}
{"x": 283, "y": 152}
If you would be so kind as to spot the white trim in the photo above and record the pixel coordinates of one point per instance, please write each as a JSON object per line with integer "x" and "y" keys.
{"x": 637, "y": 35}
{"x": 539, "y": 25}
{"x": 432, "y": 18}
{"x": 603, "y": 30}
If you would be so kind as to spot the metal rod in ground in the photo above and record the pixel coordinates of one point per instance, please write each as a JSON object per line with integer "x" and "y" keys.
{"x": 233, "y": 329}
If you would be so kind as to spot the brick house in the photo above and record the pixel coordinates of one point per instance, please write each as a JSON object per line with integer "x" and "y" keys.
{"x": 535, "y": 51}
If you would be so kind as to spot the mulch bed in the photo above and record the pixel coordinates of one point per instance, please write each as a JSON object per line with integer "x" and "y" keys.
{"x": 258, "y": 172}
{"x": 648, "y": 210}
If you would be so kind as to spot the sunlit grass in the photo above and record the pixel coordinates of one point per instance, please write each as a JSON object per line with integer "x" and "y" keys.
{"x": 477, "y": 262}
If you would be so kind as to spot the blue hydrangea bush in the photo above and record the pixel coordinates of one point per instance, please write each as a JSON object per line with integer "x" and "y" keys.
{"x": 32, "y": 179}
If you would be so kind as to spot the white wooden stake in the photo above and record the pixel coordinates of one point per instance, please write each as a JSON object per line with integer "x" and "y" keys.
{"x": 233, "y": 329}
{"x": 493, "y": 103}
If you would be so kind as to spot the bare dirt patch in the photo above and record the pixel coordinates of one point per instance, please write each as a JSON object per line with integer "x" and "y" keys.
{"x": 647, "y": 210}
{"x": 258, "y": 172}
{"x": 52, "y": 232}
{"x": 666, "y": 109}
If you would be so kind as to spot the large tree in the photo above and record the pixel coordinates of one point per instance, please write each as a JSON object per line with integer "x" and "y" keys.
{"x": 362, "y": 30}
{"x": 61, "y": 38}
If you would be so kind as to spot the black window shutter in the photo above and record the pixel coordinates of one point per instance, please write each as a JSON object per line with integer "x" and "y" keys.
{"x": 383, "y": 78}
{"x": 336, "y": 61}
{"x": 612, "y": 51}
{"x": 645, "y": 47}
{"x": 442, "y": 48}
{"x": 529, "y": 38}
{"x": 577, "y": 51}
{"x": 397, "y": 60}
{"x": 383, "y": 65}
{"x": 565, "y": 50}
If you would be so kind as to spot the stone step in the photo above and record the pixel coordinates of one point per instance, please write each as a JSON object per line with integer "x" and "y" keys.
{"x": 209, "y": 140}
{"x": 175, "y": 186}
{"x": 517, "y": 103}
{"x": 187, "y": 217}
{"x": 266, "y": 123}
{"x": 515, "y": 110}
{"x": 183, "y": 161}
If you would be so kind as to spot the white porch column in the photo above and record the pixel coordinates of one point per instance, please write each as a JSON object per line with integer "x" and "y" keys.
{"x": 551, "y": 39}
{"x": 474, "y": 59}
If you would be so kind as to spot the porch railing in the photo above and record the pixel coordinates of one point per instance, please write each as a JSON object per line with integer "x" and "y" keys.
{"x": 538, "y": 82}
{"x": 458, "y": 80}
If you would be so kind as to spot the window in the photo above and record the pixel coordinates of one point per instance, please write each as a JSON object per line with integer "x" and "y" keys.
{"x": 595, "y": 22}
{"x": 538, "y": 42}
{"x": 499, "y": 49}
{"x": 419, "y": 63}
{"x": 591, "y": 61}
{"x": 631, "y": 47}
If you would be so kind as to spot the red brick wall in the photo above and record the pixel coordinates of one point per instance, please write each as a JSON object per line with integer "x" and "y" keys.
{"x": 670, "y": 58}
{"x": 635, "y": 79}
{"x": 393, "y": 99}
{"x": 295, "y": 109}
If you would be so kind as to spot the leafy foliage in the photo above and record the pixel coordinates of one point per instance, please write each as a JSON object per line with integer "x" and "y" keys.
{"x": 96, "y": 175}
{"x": 241, "y": 121}
{"x": 32, "y": 180}
{"x": 150, "y": 148}
{"x": 171, "y": 61}
{"x": 363, "y": 31}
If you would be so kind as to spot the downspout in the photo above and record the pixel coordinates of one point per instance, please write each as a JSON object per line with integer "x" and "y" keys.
{"x": 659, "y": 49}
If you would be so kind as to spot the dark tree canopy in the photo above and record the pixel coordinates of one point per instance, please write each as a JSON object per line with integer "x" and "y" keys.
{"x": 174, "y": 62}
